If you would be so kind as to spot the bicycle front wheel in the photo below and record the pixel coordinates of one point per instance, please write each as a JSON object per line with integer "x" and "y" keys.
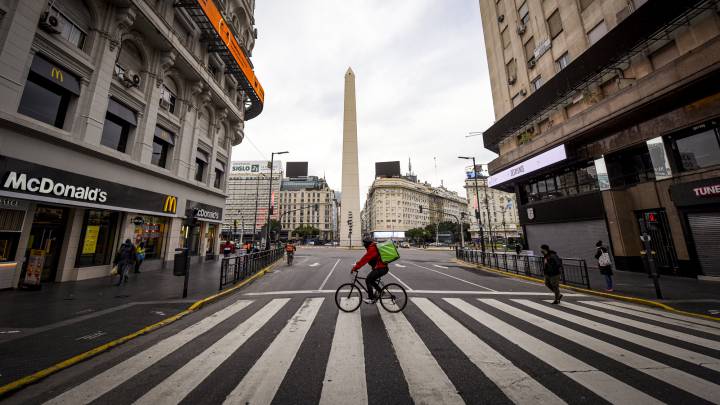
{"x": 348, "y": 297}
{"x": 393, "y": 297}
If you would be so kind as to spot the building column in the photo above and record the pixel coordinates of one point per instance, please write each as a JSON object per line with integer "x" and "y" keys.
{"x": 23, "y": 242}
{"x": 67, "y": 271}
{"x": 146, "y": 132}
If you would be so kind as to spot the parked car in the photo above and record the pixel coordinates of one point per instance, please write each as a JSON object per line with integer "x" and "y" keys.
{"x": 404, "y": 245}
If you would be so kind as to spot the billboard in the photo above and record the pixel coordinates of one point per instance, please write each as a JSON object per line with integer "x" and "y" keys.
{"x": 296, "y": 169}
{"x": 480, "y": 169}
{"x": 254, "y": 166}
{"x": 538, "y": 162}
{"x": 387, "y": 169}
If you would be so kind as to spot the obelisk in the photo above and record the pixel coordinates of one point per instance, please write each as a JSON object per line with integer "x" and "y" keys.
{"x": 350, "y": 187}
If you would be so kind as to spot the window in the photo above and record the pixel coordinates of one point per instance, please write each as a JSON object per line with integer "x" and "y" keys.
{"x": 219, "y": 174}
{"x": 201, "y": 162}
{"x": 515, "y": 100}
{"x": 630, "y": 166}
{"x": 536, "y": 83}
{"x": 69, "y": 30}
{"x": 585, "y": 4}
{"x": 530, "y": 49}
{"x": 562, "y": 61}
{"x": 698, "y": 150}
{"x": 511, "y": 71}
{"x": 597, "y": 32}
{"x": 524, "y": 13}
{"x": 163, "y": 141}
{"x": 555, "y": 24}
{"x": 152, "y": 232}
{"x": 119, "y": 121}
{"x": 505, "y": 38}
{"x": 98, "y": 238}
{"x": 568, "y": 182}
{"x": 167, "y": 99}
{"x": 48, "y": 91}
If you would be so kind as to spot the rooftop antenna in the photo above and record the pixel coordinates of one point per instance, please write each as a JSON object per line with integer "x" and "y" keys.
{"x": 435, "y": 160}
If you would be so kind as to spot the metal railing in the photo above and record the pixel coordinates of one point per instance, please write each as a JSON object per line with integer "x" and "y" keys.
{"x": 240, "y": 267}
{"x": 574, "y": 271}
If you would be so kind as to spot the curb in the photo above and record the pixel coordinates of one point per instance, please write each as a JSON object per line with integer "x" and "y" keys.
{"x": 39, "y": 375}
{"x": 634, "y": 300}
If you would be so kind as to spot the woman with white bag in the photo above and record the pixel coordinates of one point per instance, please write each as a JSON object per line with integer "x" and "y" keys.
{"x": 604, "y": 264}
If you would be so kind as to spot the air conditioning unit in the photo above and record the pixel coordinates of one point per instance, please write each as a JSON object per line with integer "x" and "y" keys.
{"x": 50, "y": 23}
{"x": 521, "y": 29}
{"x": 129, "y": 79}
{"x": 501, "y": 18}
{"x": 531, "y": 63}
{"x": 523, "y": 92}
{"x": 512, "y": 80}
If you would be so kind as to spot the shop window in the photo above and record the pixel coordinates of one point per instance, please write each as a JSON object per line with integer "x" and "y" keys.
{"x": 11, "y": 222}
{"x": 569, "y": 182}
{"x": 698, "y": 150}
{"x": 630, "y": 166}
{"x": 555, "y": 24}
{"x": 48, "y": 91}
{"x": 201, "y": 162}
{"x": 96, "y": 248}
{"x": 119, "y": 121}
{"x": 163, "y": 141}
{"x": 152, "y": 232}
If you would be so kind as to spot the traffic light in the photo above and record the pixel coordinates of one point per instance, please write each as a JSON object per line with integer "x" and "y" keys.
{"x": 421, "y": 209}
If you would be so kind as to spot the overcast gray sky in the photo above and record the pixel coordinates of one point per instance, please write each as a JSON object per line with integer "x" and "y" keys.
{"x": 422, "y": 84}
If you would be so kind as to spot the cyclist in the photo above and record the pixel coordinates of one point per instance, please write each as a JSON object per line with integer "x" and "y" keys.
{"x": 290, "y": 251}
{"x": 379, "y": 269}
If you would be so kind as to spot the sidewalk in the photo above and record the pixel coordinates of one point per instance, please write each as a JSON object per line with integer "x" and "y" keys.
{"x": 41, "y": 328}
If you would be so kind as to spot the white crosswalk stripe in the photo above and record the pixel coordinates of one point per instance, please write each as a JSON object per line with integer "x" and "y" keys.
{"x": 178, "y": 385}
{"x": 515, "y": 383}
{"x": 508, "y": 357}
{"x": 593, "y": 379}
{"x": 112, "y": 378}
{"x": 344, "y": 381}
{"x": 263, "y": 380}
{"x": 713, "y": 324}
{"x": 690, "y": 383}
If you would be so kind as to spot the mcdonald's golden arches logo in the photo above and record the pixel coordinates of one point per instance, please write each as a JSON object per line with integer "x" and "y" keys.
{"x": 57, "y": 74}
{"x": 170, "y": 204}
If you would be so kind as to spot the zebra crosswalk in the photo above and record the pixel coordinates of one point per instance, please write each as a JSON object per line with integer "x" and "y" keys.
{"x": 524, "y": 350}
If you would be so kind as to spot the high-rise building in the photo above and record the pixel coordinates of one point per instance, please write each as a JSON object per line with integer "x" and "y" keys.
{"x": 117, "y": 121}
{"x": 607, "y": 116}
{"x": 248, "y": 190}
{"x": 307, "y": 201}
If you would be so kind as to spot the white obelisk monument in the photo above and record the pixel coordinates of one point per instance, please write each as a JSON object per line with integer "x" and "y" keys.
{"x": 350, "y": 199}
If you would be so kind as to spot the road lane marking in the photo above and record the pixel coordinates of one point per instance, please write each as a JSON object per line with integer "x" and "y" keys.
{"x": 399, "y": 265}
{"x": 264, "y": 378}
{"x": 684, "y": 337}
{"x": 453, "y": 277}
{"x": 680, "y": 379}
{"x": 427, "y": 382}
{"x": 652, "y": 344}
{"x": 314, "y": 264}
{"x": 345, "y": 381}
{"x": 440, "y": 267}
{"x": 451, "y": 292}
{"x": 177, "y": 386}
{"x": 629, "y": 311}
{"x": 407, "y": 287}
{"x": 518, "y": 386}
{"x": 604, "y": 385}
{"x": 108, "y": 380}
{"x": 329, "y": 274}
{"x": 665, "y": 314}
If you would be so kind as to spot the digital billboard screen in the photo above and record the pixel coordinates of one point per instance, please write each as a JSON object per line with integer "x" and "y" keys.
{"x": 387, "y": 169}
{"x": 296, "y": 169}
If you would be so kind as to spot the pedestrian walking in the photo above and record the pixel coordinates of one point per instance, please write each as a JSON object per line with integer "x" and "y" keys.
{"x": 139, "y": 256}
{"x": 604, "y": 264}
{"x": 518, "y": 249}
{"x": 552, "y": 267}
{"x": 125, "y": 260}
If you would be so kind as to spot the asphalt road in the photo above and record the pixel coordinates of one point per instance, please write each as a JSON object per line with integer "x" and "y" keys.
{"x": 465, "y": 337}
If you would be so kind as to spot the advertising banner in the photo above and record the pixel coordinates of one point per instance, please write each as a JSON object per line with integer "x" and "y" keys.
{"x": 91, "y": 239}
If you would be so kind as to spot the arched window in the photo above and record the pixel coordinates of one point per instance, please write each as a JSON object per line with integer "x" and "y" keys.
{"x": 130, "y": 57}
{"x": 74, "y": 20}
{"x": 204, "y": 124}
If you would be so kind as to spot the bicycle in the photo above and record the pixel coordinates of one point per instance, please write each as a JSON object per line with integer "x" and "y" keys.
{"x": 348, "y": 296}
{"x": 290, "y": 258}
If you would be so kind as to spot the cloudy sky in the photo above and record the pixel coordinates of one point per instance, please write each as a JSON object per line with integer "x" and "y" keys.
{"x": 422, "y": 85}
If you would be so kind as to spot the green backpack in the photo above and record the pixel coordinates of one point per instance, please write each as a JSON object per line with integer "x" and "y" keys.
{"x": 388, "y": 252}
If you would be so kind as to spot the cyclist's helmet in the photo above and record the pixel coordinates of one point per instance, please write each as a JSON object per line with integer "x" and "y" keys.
{"x": 367, "y": 241}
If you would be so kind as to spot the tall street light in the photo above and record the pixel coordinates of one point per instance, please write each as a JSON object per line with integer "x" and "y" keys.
{"x": 477, "y": 199}
{"x": 272, "y": 164}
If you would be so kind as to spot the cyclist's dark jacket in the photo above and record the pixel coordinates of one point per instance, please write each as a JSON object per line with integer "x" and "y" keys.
{"x": 372, "y": 256}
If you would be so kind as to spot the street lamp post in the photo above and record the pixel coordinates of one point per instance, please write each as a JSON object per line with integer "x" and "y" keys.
{"x": 477, "y": 199}
{"x": 267, "y": 232}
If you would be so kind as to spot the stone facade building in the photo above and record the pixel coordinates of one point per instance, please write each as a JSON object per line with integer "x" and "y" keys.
{"x": 497, "y": 209}
{"x": 117, "y": 121}
{"x": 607, "y": 116}
{"x": 307, "y": 201}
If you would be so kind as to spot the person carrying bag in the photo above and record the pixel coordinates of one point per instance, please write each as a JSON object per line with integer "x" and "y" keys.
{"x": 604, "y": 264}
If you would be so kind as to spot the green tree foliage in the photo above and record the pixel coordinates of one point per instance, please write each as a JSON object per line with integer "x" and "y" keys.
{"x": 306, "y": 231}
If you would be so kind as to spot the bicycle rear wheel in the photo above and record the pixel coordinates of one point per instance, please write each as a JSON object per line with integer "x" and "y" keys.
{"x": 348, "y": 297}
{"x": 393, "y": 297}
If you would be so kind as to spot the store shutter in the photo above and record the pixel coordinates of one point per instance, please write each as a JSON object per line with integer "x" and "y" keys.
{"x": 705, "y": 228}
{"x": 569, "y": 239}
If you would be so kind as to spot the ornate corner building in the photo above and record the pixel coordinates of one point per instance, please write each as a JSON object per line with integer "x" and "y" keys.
{"x": 117, "y": 120}
{"x": 607, "y": 119}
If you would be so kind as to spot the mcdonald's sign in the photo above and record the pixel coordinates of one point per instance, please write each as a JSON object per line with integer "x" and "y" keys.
{"x": 170, "y": 204}
{"x": 57, "y": 74}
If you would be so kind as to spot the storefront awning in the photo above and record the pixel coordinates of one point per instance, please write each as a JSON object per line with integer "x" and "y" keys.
{"x": 56, "y": 74}
{"x": 123, "y": 112}
{"x": 220, "y": 39}
{"x": 645, "y": 25}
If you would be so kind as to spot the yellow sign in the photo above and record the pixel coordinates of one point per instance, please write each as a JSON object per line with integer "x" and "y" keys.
{"x": 91, "y": 238}
{"x": 170, "y": 204}
{"x": 57, "y": 74}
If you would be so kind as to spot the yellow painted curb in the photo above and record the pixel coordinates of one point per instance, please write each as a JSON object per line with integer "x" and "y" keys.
{"x": 35, "y": 377}
{"x": 634, "y": 300}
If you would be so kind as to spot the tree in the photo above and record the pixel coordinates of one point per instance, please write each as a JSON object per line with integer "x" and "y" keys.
{"x": 306, "y": 231}
{"x": 417, "y": 235}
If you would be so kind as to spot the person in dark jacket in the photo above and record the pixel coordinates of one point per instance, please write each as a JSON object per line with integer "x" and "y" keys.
{"x": 379, "y": 269}
{"x": 125, "y": 260}
{"x": 603, "y": 257}
{"x": 552, "y": 267}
